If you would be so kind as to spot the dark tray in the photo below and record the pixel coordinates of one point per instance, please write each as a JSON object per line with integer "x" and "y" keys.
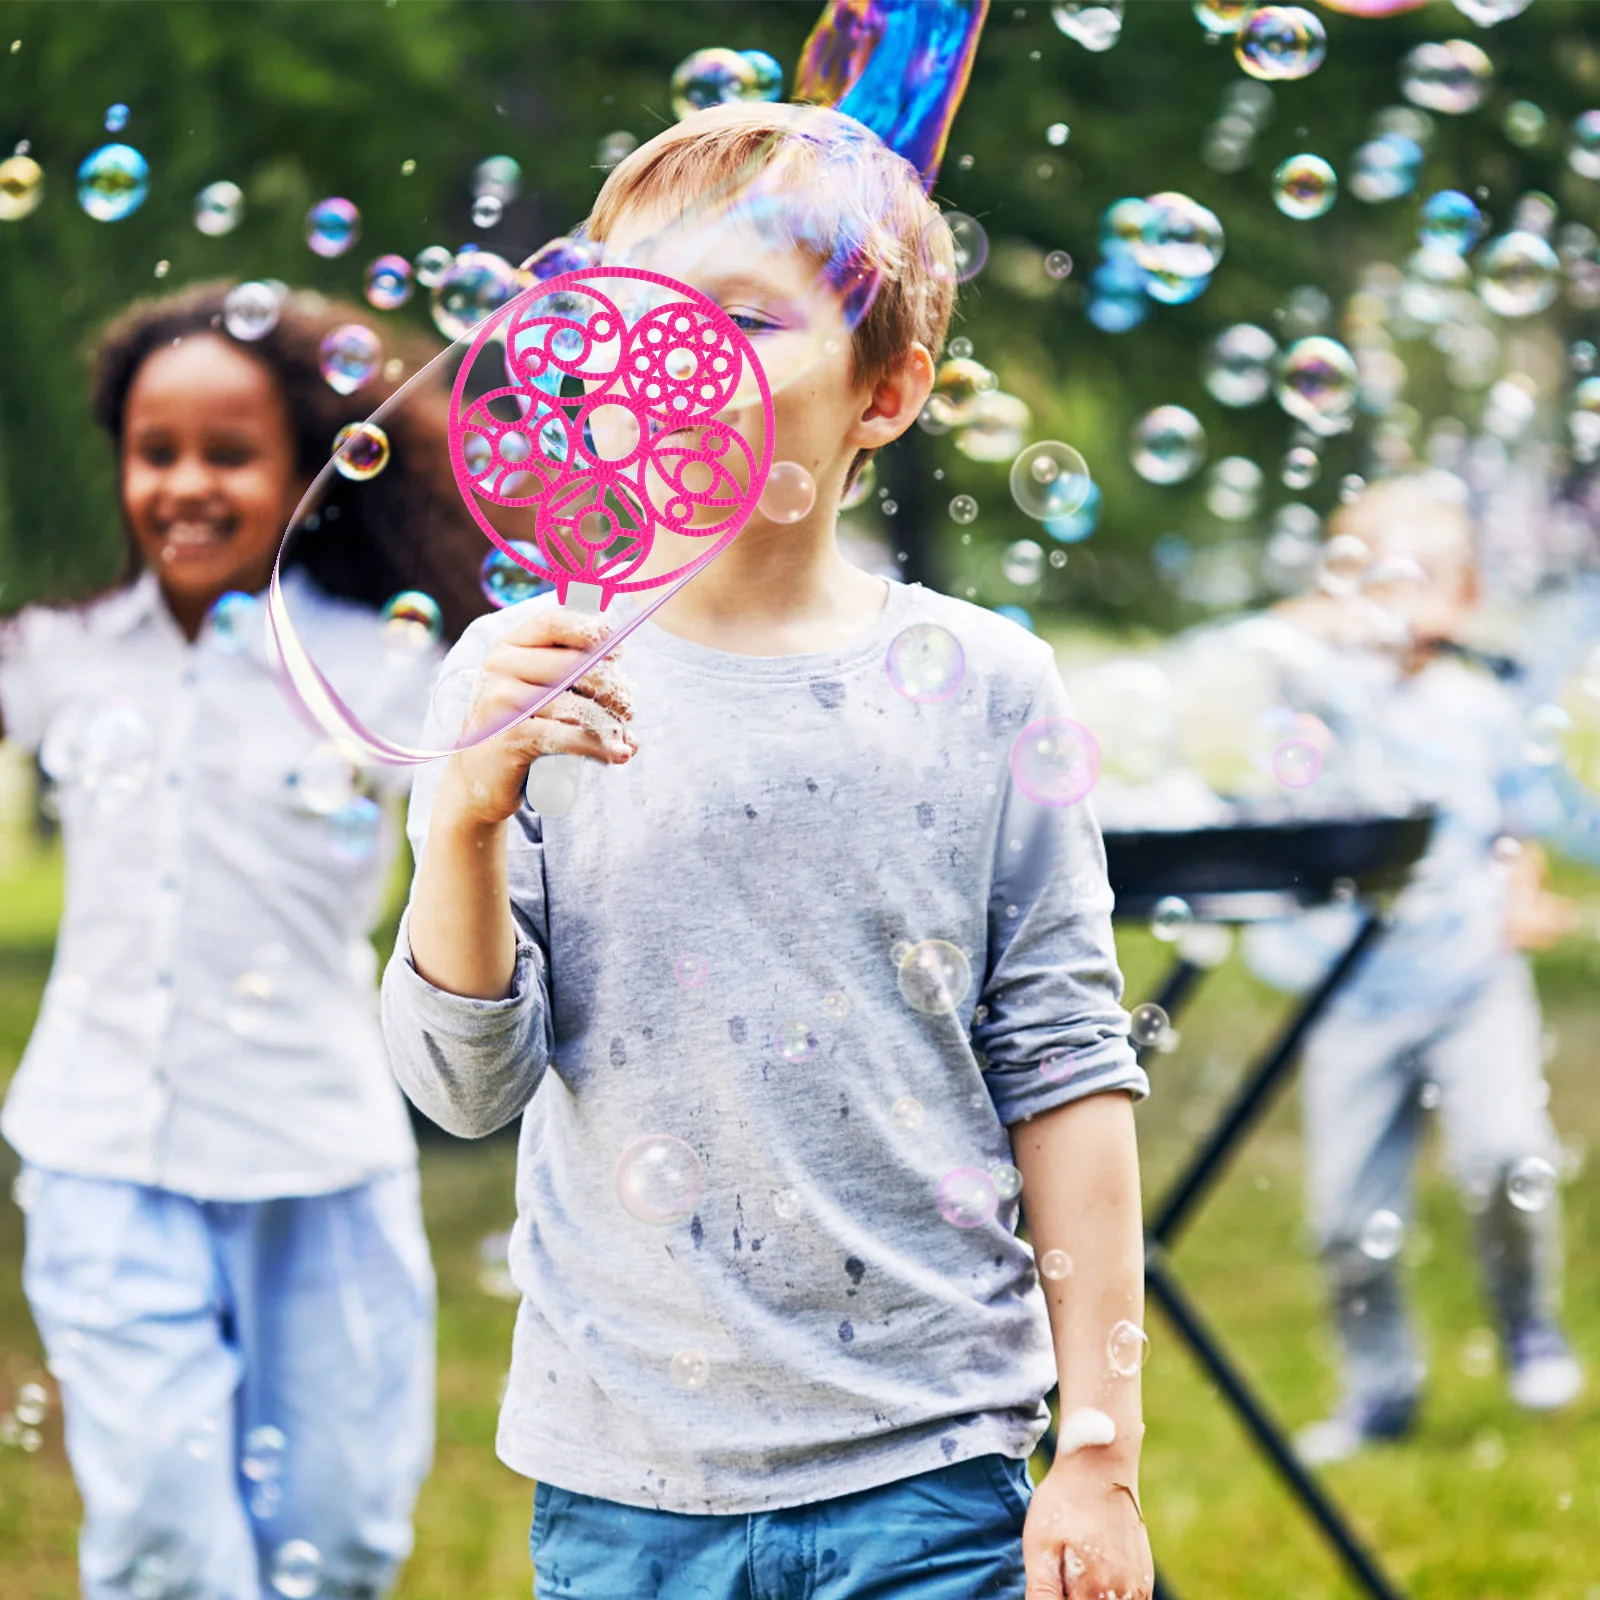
{"x": 1259, "y": 870}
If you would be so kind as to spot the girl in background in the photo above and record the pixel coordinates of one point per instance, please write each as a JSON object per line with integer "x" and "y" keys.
{"x": 225, "y": 1255}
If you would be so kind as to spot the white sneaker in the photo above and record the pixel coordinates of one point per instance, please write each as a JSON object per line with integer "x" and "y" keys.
{"x": 1545, "y": 1374}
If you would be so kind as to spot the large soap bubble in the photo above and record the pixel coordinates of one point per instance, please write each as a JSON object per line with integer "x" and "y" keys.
{"x": 1317, "y": 384}
{"x": 1278, "y": 43}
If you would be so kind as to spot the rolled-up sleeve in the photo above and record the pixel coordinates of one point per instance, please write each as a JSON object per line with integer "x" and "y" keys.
{"x": 1050, "y": 1022}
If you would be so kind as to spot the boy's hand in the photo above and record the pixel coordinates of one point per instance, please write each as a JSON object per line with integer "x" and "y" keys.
{"x": 484, "y": 785}
{"x": 1084, "y": 1539}
{"x": 1535, "y": 918}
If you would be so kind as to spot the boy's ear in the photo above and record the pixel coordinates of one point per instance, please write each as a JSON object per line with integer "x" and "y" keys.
{"x": 895, "y": 401}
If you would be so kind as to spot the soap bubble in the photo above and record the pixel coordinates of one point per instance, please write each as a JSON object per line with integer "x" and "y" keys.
{"x": 250, "y": 311}
{"x": 1531, "y": 1184}
{"x": 786, "y": 1202}
{"x": 1278, "y": 43}
{"x": 356, "y": 829}
{"x": 499, "y": 176}
{"x": 614, "y": 148}
{"x": 1450, "y": 221}
{"x": 1055, "y": 761}
{"x": 116, "y": 118}
{"x": 1317, "y": 384}
{"x": 388, "y": 282}
{"x": 1170, "y": 917}
{"x": 1238, "y": 365}
{"x": 956, "y": 387}
{"x": 970, "y": 243}
{"x": 21, "y": 187}
{"x": 1147, "y": 1023}
{"x": 1055, "y": 1265}
{"x": 960, "y": 347}
{"x": 218, "y": 208}
{"x": 1583, "y": 152}
{"x": 114, "y": 757}
{"x": 1524, "y": 123}
{"x": 235, "y": 619}
{"x": 432, "y": 263}
{"x": 835, "y": 1005}
{"x": 1234, "y": 488}
{"x": 262, "y": 1456}
{"x": 925, "y": 663}
{"x": 1095, "y": 24}
{"x": 112, "y": 182}
{"x": 659, "y": 1179}
{"x": 713, "y": 77}
{"x": 788, "y": 494}
{"x": 907, "y": 1112}
{"x": 1007, "y": 1180}
{"x": 967, "y": 1197}
{"x": 1304, "y": 186}
{"x": 934, "y": 977}
{"x": 360, "y": 451}
{"x": 332, "y": 226}
{"x": 963, "y": 509}
{"x": 412, "y": 620}
{"x": 1058, "y": 264}
{"x": 1221, "y": 17}
{"x": 505, "y": 581}
{"x": 795, "y": 1041}
{"x": 1302, "y": 466}
{"x": 1023, "y": 563}
{"x": 1452, "y": 77}
{"x": 349, "y": 357}
{"x": 325, "y": 782}
{"x": 1057, "y": 134}
{"x": 1079, "y": 525}
{"x": 691, "y": 970}
{"x": 690, "y": 1369}
{"x": 487, "y": 211}
{"x": 296, "y": 1570}
{"x": 1385, "y": 168}
{"x": 1486, "y": 13}
{"x": 1168, "y": 445}
{"x": 1296, "y": 763}
{"x": 1049, "y": 479}
{"x": 1127, "y": 1348}
{"x": 1178, "y": 236}
{"x": 475, "y": 285}
{"x": 1382, "y": 1235}
{"x": 767, "y": 74}
{"x": 1518, "y": 275}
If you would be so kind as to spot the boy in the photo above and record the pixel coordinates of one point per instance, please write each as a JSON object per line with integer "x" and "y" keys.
{"x": 777, "y": 1333}
{"x": 1444, "y": 1014}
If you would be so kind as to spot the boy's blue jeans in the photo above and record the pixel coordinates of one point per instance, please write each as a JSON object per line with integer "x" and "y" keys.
{"x": 951, "y": 1534}
{"x": 247, "y": 1386}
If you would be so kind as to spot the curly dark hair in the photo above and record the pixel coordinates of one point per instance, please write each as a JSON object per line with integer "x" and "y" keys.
{"x": 407, "y": 528}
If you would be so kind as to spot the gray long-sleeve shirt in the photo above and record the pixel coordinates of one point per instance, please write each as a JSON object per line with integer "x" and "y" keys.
{"x": 824, "y": 1291}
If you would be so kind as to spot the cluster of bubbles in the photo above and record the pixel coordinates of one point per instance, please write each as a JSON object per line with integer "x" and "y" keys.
{"x": 717, "y": 76}
{"x": 261, "y": 1463}
{"x": 21, "y": 1428}
{"x": 1247, "y": 107}
{"x": 1161, "y": 248}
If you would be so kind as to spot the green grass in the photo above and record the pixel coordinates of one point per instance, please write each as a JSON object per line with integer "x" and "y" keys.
{"x": 1485, "y": 1504}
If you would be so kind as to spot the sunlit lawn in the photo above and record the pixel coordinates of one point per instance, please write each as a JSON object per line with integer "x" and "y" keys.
{"x": 1486, "y": 1505}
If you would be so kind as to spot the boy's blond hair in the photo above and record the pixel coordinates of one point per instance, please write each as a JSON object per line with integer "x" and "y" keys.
{"x": 816, "y": 179}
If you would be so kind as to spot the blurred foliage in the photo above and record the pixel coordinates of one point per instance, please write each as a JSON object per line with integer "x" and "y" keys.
{"x": 297, "y": 101}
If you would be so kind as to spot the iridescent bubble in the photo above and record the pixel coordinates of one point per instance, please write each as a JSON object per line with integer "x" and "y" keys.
{"x": 487, "y": 211}
{"x": 1382, "y": 1235}
{"x": 1302, "y": 466}
{"x": 1127, "y": 1349}
{"x": 1055, "y": 1265}
{"x": 1122, "y": 225}
{"x": 925, "y": 663}
{"x": 112, "y": 182}
{"x": 1317, "y": 384}
{"x": 1023, "y": 563}
{"x": 795, "y": 1041}
{"x": 349, "y": 357}
{"x": 505, "y": 581}
{"x": 1450, "y": 221}
{"x": 296, "y": 1570}
{"x": 116, "y": 117}
{"x": 1304, "y": 186}
{"x": 1058, "y": 264}
{"x": 768, "y": 75}
{"x": 1385, "y": 168}
{"x": 250, "y": 311}
{"x": 1147, "y": 1023}
{"x": 21, "y": 187}
{"x": 713, "y": 77}
{"x": 432, "y": 263}
{"x": 690, "y": 1369}
{"x": 1221, "y": 17}
{"x": 967, "y": 1197}
{"x": 1452, "y": 77}
{"x": 332, "y": 226}
{"x": 934, "y": 977}
{"x": 1055, "y": 761}
{"x": 360, "y": 451}
{"x": 1081, "y": 523}
{"x": 1179, "y": 236}
{"x": 956, "y": 387}
{"x": 562, "y": 254}
{"x": 412, "y": 620}
{"x": 659, "y": 1179}
{"x": 907, "y": 1112}
{"x": 236, "y": 619}
{"x": 1168, "y": 445}
{"x": 788, "y": 494}
{"x": 1171, "y": 916}
{"x": 1518, "y": 275}
{"x": 1583, "y": 150}
{"x": 1279, "y": 43}
{"x": 963, "y": 509}
{"x": 1486, "y": 13}
{"x": 1095, "y": 24}
{"x": 1296, "y": 763}
{"x": 1531, "y": 1184}
{"x": 1238, "y": 365}
{"x": 388, "y": 282}
{"x": 219, "y": 208}
{"x": 475, "y": 285}
{"x": 1049, "y": 479}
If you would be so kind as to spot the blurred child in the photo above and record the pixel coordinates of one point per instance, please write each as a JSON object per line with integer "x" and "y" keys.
{"x": 1443, "y": 1014}
{"x": 225, "y": 1255}
{"x": 783, "y": 998}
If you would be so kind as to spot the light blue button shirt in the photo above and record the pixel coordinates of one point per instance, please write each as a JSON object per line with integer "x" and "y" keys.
{"x": 209, "y": 1024}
